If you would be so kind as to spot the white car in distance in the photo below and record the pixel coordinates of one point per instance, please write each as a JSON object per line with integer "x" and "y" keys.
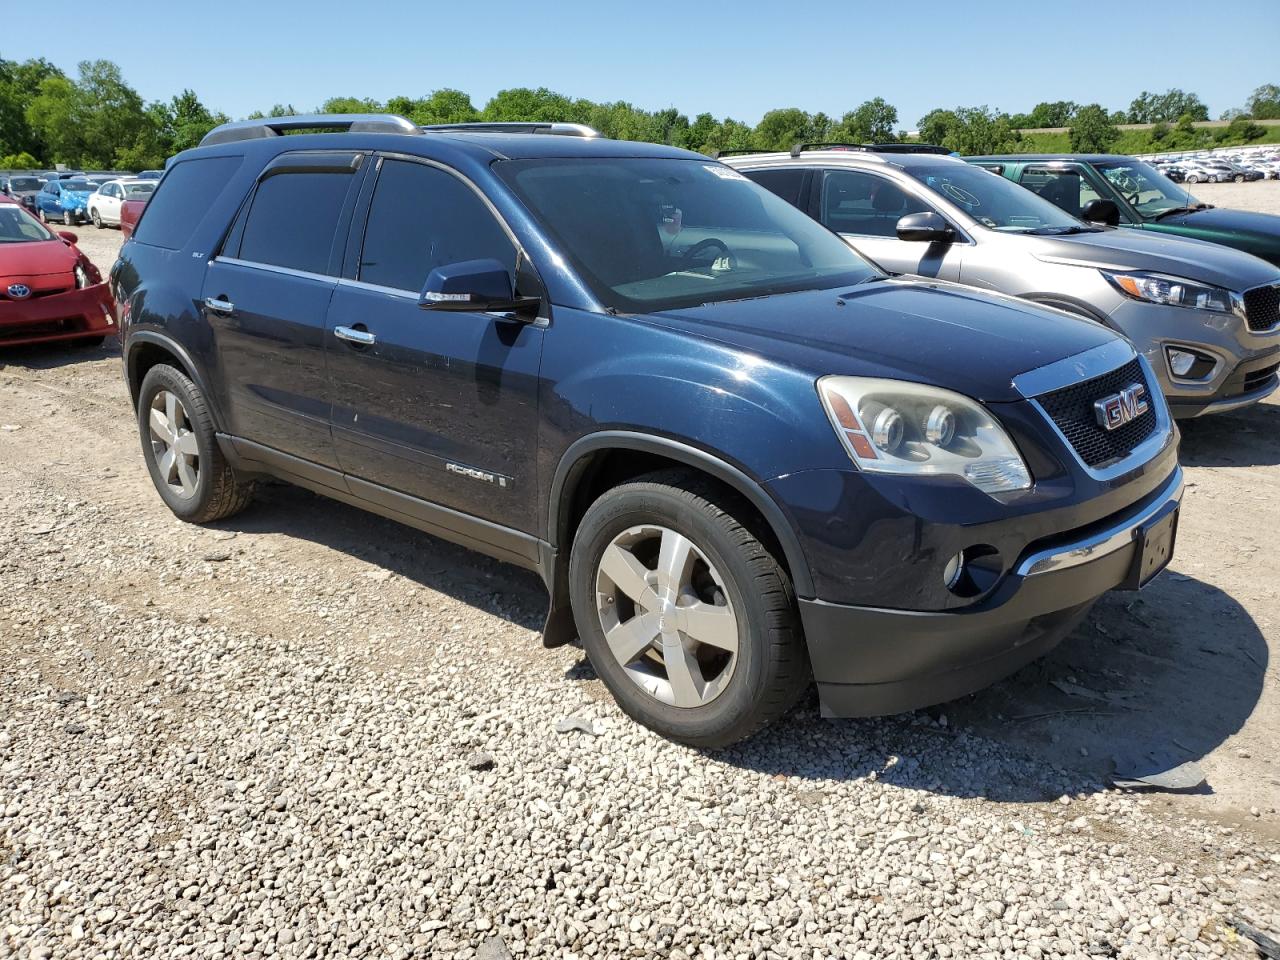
{"x": 105, "y": 203}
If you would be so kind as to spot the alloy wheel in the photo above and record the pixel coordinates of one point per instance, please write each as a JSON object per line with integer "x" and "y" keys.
{"x": 173, "y": 444}
{"x": 666, "y": 616}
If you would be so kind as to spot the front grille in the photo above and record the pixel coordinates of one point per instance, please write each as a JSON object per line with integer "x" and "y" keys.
{"x": 1254, "y": 380}
{"x": 1262, "y": 307}
{"x": 1071, "y": 408}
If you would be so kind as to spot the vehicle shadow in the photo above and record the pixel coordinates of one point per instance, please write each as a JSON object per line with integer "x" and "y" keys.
{"x": 496, "y": 588}
{"x": 1147, "y": 681}
{"x": 50, "y": 356}
{"x": 1242, "y": 438}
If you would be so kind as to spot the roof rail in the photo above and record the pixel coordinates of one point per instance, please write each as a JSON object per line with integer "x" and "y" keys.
{"x": 800, "y": 148}
{"x": 275, "y": 126}
{"x": 738, "y": 153}
{"x": 559, "y": 129}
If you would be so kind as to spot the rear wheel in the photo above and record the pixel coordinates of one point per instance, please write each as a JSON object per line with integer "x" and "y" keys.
{"x": 188, "y": 469}
{"x": 686, "y": 615}
{"x": 1239, "y": 178}
{"x": 96, "y": 217}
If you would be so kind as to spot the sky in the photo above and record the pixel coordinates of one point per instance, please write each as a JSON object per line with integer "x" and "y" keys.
{"x": 735, "y": 59}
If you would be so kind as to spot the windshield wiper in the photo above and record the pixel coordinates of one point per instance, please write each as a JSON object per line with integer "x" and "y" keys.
{"x": 1063, "y": 231}
{"x": 1172, "y": 210}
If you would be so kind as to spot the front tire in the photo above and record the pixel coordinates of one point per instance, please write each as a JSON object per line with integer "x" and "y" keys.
{"x": 68, "y": 218}
{"x": 686, "y": 615}
{"x": 186, "y": 465}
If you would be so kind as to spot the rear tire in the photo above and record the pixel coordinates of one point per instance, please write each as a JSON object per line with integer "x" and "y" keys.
{"x": 186, "y": 465}
{"x": 96, "y": 217}
{"x": 1239, "y": 178}
{"x": 732, "y": 634}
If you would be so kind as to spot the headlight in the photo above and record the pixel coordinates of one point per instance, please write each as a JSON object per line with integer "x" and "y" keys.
{"x": 82, "y": 278}
{"x": 1172, "y": 291}
{"x": 892, "y": 426}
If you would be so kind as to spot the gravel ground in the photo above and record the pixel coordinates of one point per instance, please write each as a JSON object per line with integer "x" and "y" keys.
{"x": 309, "y": 732}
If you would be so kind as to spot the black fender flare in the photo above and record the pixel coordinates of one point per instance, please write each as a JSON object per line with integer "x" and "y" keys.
{"x": 575, "y": 458}
{"x": 136, "y": 338}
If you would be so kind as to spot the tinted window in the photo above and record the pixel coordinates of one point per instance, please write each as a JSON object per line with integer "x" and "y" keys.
{"x": 183, "y": 199}
{"x": 1065, "y": 189}
{"x": 422, "y": 218}
{"x": 785, "y": 183}
{"x": 865, "y": 204}
{"x": 293, "y": 219}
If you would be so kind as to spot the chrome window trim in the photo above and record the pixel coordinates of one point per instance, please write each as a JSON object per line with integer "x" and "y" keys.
{"x": 273, "y": 268}
{"x": 1104, "y": 542}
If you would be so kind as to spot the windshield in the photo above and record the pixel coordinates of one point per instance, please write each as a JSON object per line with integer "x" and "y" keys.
{"x": 995, "y": 202}
{"x": 1146, "y": 189}
{"x": 18, "y": 226}
{"x": 651, "y": 235}
{"x": 79, "y": 185}
{"x": 138, "y": 191}
{"x": 24, "y": 183}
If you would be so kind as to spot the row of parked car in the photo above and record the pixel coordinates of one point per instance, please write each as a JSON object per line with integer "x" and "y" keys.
{"x": 871, "y": 415}
{"x": 71, "y": 198}
{"x": 1220, "y": 167}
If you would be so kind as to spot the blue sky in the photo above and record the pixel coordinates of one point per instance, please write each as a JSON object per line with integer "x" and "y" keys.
{"x": 737, "y": 59}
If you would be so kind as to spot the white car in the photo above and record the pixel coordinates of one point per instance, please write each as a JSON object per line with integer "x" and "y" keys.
{"x": 104, "y": 203}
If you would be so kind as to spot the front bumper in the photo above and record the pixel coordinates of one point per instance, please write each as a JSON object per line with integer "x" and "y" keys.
{"x": 1238, "y": 351}
{"x": 74, "y": 315}
{"x": 871, "y": 661}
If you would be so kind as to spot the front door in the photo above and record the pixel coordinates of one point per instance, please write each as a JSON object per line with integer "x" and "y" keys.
{"x": 865, "y": 208}
{"x": 266, "y": 296}
{"x": 441, "y": 406}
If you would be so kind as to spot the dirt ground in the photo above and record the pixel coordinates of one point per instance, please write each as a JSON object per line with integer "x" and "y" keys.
{"x": 1186, "y": 670}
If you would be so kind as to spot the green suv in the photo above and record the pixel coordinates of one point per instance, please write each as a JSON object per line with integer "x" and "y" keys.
{"x": 1122, "y": 191}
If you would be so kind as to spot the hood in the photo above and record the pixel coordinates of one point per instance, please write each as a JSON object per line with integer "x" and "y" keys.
{"x": 926, "y": 332}
{"x": 37, "y": 258}
{"x": 1124, "y": 249}
{"x": 1258, "y": 233}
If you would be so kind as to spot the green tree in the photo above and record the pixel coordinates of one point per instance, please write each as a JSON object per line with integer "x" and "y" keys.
{"x": 1092, "y": 130}
{"x": 782, "y": 129}
{"x": 1241, "y": 129}
{"x": 700, "y": 131}
{"x": 540, "y": 105}
{"x": 351, "y": 105}
{"x": 1058, "y": 113}
{"x": 937, "y": 125}
{"x": 1150, "y": 107}
{"x": 970, "y": 130}
{"x": 871, "y": 122}
{"x": 1264, "y": 103}
{"x": 19, "y": 85}
{"x": 18, "y": 161}
{"x": 440, "y": 106}
{"x": 729, "y": 134}
{"x": 183, "y": 121}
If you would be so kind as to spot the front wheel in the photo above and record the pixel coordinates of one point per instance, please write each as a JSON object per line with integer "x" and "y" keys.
{"x": 1239, "y": 178}
{"x": 686, "y": 615}
{"x": 188, "y": 469}
{"x": 69, "y": 218}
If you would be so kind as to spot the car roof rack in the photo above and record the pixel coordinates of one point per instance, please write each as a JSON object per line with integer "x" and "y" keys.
{"x": 275, "y": 126}
{"x": 738, "y": 153}
{"x": 481, "y": 126}
{"x": 800, "y": 148}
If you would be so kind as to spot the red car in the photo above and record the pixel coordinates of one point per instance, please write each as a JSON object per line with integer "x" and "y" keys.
{"x": 130, "y": 211}
{"x": 48, "y": 289}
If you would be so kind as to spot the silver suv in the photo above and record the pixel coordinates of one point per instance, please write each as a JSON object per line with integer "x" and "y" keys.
{"x": 1206, "y": 317}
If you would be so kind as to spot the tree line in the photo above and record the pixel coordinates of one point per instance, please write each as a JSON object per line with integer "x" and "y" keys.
{"x": 96, "y": 120}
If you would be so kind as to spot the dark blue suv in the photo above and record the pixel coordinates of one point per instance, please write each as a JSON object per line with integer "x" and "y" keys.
{"x": 739, "y": 455}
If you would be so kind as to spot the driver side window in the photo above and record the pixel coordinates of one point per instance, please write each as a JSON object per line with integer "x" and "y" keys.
{"x": 865, "y": 204}
{"x": 1065, "y": 189}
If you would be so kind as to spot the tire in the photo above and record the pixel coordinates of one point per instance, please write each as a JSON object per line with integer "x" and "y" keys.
{"x": 96, "y": 217}
{"x": 69, "y": 218}
{"x": 44, "y": 217}
{"x": 216, "y": 490}
{"x": 731, "y": 570}
{"x": 1191, "y": 178}
{"x": 1239, "y": 178}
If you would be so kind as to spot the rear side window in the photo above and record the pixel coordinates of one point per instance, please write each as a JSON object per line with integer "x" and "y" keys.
{"x": 184, "y": 197}
{"x": 293, "y": 218}
{"x": 785, "y": 183}
{"x": 422, "y": 218}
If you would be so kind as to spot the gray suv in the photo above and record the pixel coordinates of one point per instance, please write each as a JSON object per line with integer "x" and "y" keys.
{"x": 1206, "y": 317}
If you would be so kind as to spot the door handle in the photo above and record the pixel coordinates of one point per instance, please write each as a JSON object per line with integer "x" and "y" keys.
{"x": 361, "y": 338}
{"x": 218, "y": 305}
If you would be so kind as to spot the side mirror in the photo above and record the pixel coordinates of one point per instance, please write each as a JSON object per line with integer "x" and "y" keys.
{"x": 474, "y": 286}
{"x": 1098, "y": 210}
{"x": 927, "y": 227}
{"x": 68, "y": 236}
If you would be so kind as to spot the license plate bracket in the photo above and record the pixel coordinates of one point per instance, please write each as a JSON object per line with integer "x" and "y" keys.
{"x": 1153, "y": 547}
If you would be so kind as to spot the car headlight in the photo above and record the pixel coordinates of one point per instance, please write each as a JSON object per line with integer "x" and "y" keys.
{"x": 893, "y": 426}
{"x": 82, "y": 277}
{"x": 1172, "y": 291}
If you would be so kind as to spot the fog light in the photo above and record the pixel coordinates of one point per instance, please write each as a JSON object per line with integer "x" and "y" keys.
{"x": 955, "y": 567}
{"x": 1181, "y": 362}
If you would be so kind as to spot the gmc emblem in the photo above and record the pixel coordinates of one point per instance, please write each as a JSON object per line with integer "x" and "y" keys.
{"x": 1119, "y": 408}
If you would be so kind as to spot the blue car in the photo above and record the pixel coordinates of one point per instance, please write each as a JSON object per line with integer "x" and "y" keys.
{"x": 65, "y": 201}
{"x": 741, "y": 457}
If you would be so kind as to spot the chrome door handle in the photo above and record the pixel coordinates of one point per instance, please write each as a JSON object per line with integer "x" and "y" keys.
{"x": 362, "y": 337}
{"x": 219, "y": 306}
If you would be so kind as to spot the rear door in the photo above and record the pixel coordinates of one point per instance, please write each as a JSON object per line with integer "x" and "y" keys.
{"x": 441, "y": 406}
{"x": 266, "y": 297}
{"x": 108, "y": 202}
{"x": 865, "y": 207}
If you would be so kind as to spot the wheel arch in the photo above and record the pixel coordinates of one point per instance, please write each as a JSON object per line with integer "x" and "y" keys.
{"x": 146, "y": 349}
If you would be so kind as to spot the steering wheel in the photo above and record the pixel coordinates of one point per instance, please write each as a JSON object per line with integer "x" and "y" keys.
{"x": 708, "y": 244}
{"x": 1134, "y": 199}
